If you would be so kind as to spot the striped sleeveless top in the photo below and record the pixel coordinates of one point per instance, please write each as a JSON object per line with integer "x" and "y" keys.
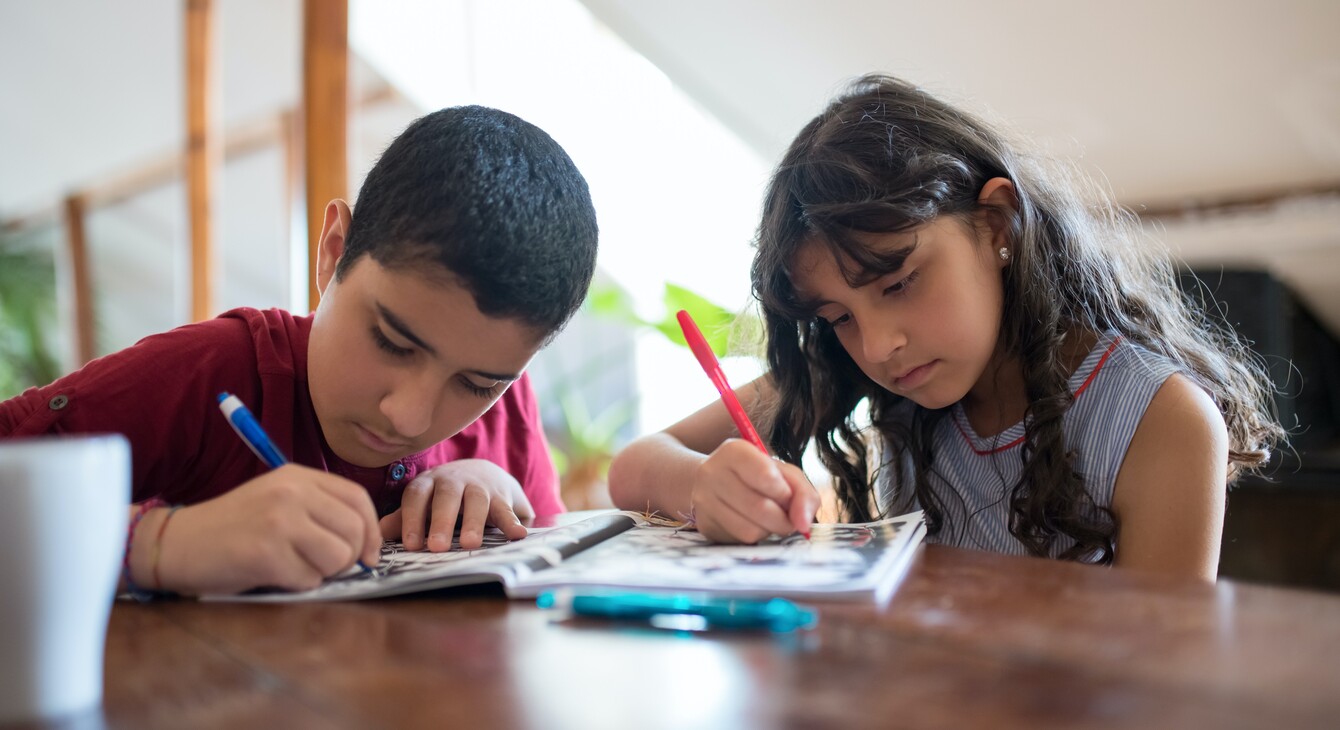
{"x": 973, "y": 475}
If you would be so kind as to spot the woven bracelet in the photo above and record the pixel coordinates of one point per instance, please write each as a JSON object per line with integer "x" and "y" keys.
{"x": 141, "y": 509}
{"x": 158, "y": 545}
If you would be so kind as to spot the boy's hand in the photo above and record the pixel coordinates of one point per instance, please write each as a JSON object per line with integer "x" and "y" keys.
{"x": 288, "y": 528}
{"x": 477, "y": 491}
{"x": 742, "y": 495}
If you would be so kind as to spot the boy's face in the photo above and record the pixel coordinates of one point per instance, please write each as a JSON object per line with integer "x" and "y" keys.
{"x": 399, "y": 361}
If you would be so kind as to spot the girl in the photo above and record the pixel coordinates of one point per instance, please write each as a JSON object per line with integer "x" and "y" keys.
{"x": 1029, "y": 372}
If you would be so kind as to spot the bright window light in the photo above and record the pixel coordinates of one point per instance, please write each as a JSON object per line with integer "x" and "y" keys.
{"x": 677, "y": 194}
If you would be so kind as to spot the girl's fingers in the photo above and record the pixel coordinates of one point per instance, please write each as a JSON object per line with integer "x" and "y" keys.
{"x": 760, "y": 472}
{"x": 725, "y": 524}
{"x": 759, "y": 510}
{"x": 804, "y": 498}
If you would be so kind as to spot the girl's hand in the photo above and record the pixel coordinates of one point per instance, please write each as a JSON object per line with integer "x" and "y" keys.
{"x": 477, "y": 491}
{"x": 289, "y": 528}
{"x": 742, "y": 495}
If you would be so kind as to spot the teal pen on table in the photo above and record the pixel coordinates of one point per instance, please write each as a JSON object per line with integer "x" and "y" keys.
{"x": 249, "y": 429}
{"x": 777, "y": 615}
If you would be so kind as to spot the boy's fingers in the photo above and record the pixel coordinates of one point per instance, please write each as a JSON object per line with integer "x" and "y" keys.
{"x": 502, "y": 517}
{"x": 445, "y": 509}
{"x": 521, "y": 507}
{"x": 321, "y": 551}
{"x": 414, "y": 512}
{"x": 390, "y": 526}
{"x": 474, "y": 512}
{"x": 367, "y": 540}
{"x": 346, "y": 524}
{"x": 372, "y": 543}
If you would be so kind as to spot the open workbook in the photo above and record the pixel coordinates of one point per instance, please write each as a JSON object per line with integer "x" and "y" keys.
{"x": 625, "y": 550}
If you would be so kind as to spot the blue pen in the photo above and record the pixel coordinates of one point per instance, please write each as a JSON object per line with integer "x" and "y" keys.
{"x": 255, "y": 437}
{"x": 774, "y": 614}
{"x": 250, "y": 430}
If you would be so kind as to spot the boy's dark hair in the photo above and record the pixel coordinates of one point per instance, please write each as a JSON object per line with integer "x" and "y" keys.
{"x": 492, "y": 199}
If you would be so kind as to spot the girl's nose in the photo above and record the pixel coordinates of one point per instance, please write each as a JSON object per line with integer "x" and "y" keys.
{"x": 880, "y": 342}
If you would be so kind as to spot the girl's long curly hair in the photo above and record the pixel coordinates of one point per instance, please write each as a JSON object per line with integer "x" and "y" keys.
{"x": 887, "y": 156}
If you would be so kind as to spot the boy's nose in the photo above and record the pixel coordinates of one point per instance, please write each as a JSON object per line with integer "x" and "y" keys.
{"x": 409, "y": 409}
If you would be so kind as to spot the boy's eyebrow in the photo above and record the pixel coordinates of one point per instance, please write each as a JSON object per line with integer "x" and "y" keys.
{"x": 495, "y": 376}
{"x": 404, "y": 331}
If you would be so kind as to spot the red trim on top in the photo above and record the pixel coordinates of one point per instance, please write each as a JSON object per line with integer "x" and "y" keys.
{"x": 1016, "y": 442}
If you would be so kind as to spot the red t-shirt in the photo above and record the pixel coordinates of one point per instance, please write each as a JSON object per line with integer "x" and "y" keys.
{"x": 162, "y": 393}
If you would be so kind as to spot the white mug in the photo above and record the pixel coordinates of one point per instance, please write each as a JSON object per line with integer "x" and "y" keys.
{"x": 63, "y": 509}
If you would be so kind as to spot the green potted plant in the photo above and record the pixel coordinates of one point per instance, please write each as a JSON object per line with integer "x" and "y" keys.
{"x": 27, "y": 313}
{"x": 586, "y": 442}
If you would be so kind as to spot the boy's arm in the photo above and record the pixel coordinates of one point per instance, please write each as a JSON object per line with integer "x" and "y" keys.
{"x": 1170, "y": 492}
{"x": 288, "y": 528}
{"x": 538, "y": 476}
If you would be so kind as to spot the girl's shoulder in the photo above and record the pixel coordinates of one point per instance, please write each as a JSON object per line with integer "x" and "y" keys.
{"x": 1116, "y": 365}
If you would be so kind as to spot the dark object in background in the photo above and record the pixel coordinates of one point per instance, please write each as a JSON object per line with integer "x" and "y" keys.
{"x": 1282, "y": 527}
{"x": 1303, "y": 357}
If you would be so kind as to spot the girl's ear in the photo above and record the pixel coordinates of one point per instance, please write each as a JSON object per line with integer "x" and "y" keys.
{"x": 999, "y": 202}
{"x": 330, "y": 247}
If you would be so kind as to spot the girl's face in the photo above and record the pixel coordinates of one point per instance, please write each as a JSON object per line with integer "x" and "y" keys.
{"x": 926, "y": 330}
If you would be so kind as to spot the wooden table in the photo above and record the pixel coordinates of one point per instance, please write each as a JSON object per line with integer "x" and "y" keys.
{"x": 970, "y": 640}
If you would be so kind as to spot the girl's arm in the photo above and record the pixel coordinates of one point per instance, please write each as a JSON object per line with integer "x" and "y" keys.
{"x": 699, "y": 467}
{"x": 1171, "y": 488}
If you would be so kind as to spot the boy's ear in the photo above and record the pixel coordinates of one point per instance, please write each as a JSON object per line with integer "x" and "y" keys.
{"x": 997, "y": 197}
{"x": 330, "y": 247}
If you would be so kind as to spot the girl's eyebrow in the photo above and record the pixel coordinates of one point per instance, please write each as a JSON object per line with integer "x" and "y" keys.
{"x": 886, "y": 262}
{"x": 870, "y": 266}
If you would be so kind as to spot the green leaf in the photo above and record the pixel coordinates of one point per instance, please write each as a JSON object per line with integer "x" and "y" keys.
{"x": 714, "y": 320}
{"x": 608, "y": 299}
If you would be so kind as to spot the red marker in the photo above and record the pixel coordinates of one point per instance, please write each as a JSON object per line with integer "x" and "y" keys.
{"x": 712, "y": 367}
{"x": 708, "y": 360}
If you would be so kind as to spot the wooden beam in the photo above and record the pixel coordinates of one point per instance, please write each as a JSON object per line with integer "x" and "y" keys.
{"x": 325, "y": 94}
{"x": 245, "y": 138}
{"x": 203, "y": 153}
{"x": 1234, "y": 204}
{"x": 76, "y": 246}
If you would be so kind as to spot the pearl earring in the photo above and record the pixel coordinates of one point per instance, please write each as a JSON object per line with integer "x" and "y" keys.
{"x": 1004, "y": 254}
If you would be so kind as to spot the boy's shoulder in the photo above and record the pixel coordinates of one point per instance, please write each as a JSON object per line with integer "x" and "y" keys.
{"x": 232, "y": 351}
{"x": 278, "y": 337}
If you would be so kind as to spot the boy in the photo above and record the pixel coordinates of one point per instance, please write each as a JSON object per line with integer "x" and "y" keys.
{"x": 403, "y": 395}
